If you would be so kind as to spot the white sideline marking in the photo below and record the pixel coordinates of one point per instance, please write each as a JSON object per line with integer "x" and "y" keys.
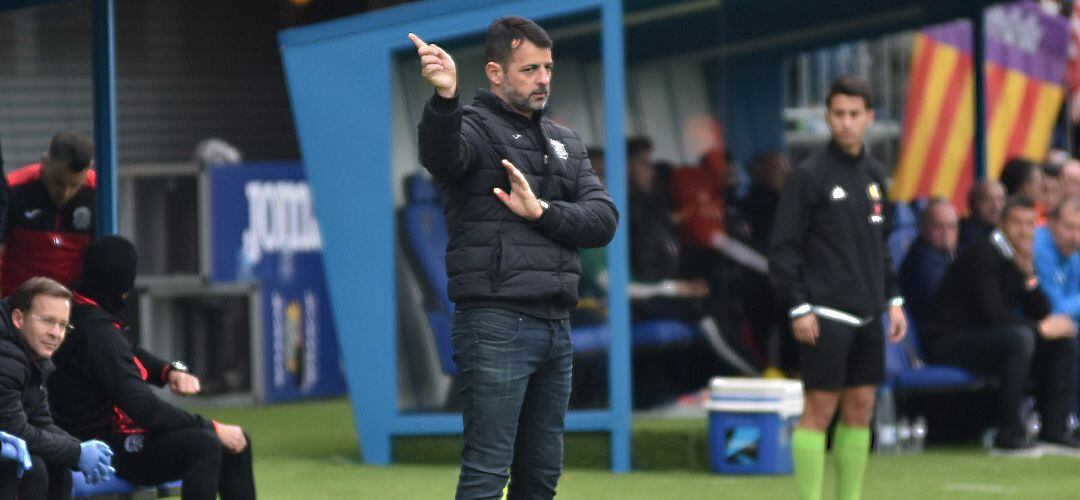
{"x": 977, "y": 488}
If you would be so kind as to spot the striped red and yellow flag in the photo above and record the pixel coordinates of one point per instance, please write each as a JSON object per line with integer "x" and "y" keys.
{"x": 1024, "y": 73}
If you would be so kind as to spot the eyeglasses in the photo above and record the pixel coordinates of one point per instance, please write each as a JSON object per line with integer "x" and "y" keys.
{"x": 53, "y": 322}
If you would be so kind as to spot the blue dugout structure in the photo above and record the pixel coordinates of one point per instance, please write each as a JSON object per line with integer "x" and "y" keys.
{"x": 339, "y": 75}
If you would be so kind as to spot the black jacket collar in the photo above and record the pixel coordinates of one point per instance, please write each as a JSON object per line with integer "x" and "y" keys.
{"x": 843, "y": 156}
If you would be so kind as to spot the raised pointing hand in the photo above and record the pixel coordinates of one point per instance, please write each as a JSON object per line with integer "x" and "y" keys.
{"x": 436, "y": 66}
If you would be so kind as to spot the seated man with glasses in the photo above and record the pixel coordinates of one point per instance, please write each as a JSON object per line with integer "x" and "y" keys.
{"x": 33, "y": 324}
{"x": 102, "y": 390}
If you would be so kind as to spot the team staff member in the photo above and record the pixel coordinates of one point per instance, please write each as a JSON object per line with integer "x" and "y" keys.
{"x": 830, "y": 260}
{"x": 33, "y": 323}
{"x": 101, "y": 390}
{"x": 50, "y": 214}
{"x": 520, "y": 199}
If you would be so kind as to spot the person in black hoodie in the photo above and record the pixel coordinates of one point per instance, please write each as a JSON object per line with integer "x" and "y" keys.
{"x": 33, "y": 324}
{"x": 102, "y": 390}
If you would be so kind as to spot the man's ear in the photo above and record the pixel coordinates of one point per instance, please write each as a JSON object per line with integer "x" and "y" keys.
{"x": 494, "y": 72}
{"x": 18, "y": 318}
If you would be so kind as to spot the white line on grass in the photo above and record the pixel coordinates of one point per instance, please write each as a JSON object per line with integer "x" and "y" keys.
{"x": 977, "y": 488}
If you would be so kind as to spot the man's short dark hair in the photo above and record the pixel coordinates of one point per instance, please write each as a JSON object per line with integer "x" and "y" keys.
{"x": 637, "y": 144}
{"x": 507, "y": 33}
{"x": 1015, "y": 203}
{"x": 23, "y": 298}
{"x": 75, "y": 151}
{"x": 851, "y": 85}
{"x": 1016, "y": 173}
{"x": 1051, "y": 170}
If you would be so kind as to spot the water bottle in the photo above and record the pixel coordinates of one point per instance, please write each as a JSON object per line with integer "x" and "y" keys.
{"x": 885, "y": 423}
{"x": 903, "y": 435}
{"x": 918, "y": 434}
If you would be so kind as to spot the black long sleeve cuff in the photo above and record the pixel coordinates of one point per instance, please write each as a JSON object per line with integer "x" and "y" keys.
{"x": 443, "y": 105}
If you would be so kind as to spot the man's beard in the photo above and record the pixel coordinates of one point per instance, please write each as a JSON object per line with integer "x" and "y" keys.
{"x": 521, "y": 102}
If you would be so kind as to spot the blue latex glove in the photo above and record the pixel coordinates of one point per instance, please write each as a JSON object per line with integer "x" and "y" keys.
{"x": 14, "y": 449}
{"x": 95, "y": 459}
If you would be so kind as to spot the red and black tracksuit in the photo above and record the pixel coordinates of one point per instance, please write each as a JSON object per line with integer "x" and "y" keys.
{"x": 102, "y": 390}
{"x": 41, "y": 239}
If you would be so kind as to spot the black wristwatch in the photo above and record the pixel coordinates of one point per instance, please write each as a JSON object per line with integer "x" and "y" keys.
{"x": 178, "y": 366}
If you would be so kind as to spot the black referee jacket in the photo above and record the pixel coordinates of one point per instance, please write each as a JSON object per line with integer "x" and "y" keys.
{"x": 829, "y": 246}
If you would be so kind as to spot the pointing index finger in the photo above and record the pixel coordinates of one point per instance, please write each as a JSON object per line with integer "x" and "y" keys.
{"x": 417, "y": 41}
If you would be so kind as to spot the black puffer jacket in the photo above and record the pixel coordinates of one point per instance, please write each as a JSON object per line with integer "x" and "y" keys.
{"x": 493, "y": 256}
{"x": 24, "y": 404}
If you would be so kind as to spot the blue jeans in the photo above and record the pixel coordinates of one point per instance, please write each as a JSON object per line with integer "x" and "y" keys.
{"x": 514, "y": 376}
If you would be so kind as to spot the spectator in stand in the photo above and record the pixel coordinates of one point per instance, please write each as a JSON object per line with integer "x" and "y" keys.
{"x": 928, "y": 258}
{"x": 655, "y": 246}
{"x": 1057, "y": 261}
{"x": 1052, "y": 189}
{"x": 992, "y": 317}
{"x": 658, "y": 289}
{"x": 985, "y": 201}
{"x": 768, "y": 172}
{"x": 701, "y": 215}
{"x": 763, "y": 311}
{"x": 1022, "y": 177}
{"x": 1070, "y": 178}
{"x": 699, "y": 193}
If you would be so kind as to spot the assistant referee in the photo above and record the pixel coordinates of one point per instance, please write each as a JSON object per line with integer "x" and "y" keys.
{"x": 830, "y": 261}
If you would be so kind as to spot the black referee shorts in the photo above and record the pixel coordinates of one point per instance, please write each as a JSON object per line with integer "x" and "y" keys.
{"x": 844, "y": 356}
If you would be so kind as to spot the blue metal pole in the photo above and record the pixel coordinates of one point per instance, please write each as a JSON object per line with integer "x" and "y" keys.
{"x": 619, "y": 379}
{"x": 105, "y": 116}
{"x": 978, "y": 44}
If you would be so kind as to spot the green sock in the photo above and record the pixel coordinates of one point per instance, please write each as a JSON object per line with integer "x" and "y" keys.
{"x": 808, "y": 453}
{"x": 851, "y": 448}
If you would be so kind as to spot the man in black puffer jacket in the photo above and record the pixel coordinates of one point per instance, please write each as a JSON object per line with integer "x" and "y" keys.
{"x": 520, "y": 198}
{"x": 33, "y": 324}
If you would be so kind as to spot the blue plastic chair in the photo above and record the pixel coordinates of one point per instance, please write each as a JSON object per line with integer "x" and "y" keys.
{"x": 424, "y": 231}
{"x": 119, "y": 487}
{"x": 905, "y": 370}
{"x": 905, "y": 229}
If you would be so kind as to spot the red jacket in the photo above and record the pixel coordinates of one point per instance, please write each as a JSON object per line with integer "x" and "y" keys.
{"x": 41, "y": 239}
{"x": 700, "y": 202}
